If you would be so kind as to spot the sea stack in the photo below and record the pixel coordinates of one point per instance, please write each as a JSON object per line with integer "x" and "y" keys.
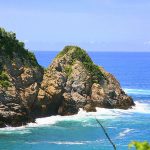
{"x": 72, "y": 81}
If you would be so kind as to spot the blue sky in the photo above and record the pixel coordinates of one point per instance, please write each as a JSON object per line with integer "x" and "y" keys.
{"x": 95, "y": 25}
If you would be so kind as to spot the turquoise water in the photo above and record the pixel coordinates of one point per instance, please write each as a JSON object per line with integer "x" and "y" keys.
{"x": 81, "y": 131}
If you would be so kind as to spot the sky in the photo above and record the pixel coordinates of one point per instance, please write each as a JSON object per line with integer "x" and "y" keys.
{"x": 95, "y": 25}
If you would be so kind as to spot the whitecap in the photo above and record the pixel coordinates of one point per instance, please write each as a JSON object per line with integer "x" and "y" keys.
{"x": 124, "y": 132}
{"x": 67, "y": 143}
{"x": 74, "y": 142}
{"x": 14, "y": 130}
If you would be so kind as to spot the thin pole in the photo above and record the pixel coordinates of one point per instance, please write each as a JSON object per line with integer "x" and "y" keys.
{"x": 114, "y": 146}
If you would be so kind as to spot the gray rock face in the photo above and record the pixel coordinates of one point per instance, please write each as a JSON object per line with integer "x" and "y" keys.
{"x": 73, "y": 81}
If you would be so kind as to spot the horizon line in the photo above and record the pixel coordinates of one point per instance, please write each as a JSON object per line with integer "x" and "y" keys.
{"x": 93, "y": 51}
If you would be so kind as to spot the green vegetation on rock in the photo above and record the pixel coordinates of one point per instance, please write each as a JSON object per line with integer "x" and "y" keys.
{"x": 139, "y": 145}
{"x": 76, "y": 53}
{"x": 9, "y": 45}
{"x": 68, "y": 70}
{"x": 4, "y": 79}
{"x": 64, "y": 51}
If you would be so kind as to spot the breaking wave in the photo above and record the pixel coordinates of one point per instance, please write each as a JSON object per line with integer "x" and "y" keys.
{"x": 102, "y": 113}
{"x": 82, "y": 116}
{"x": 141, "y": 107}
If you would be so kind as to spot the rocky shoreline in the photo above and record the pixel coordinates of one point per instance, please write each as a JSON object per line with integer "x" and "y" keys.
{"x": 72, "y": 81}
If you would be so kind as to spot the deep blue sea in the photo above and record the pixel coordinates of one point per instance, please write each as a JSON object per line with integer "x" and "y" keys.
{"x": 81, "y": 131}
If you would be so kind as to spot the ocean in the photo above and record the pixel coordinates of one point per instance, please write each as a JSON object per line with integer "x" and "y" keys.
{"x": 81, "y": 131}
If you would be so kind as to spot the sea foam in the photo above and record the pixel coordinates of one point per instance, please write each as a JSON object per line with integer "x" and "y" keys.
{"x": 82, "y": 116}
{"x": 102, "y": 113}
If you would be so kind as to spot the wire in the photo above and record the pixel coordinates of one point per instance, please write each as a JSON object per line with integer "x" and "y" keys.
{"x": 105, "y": 132}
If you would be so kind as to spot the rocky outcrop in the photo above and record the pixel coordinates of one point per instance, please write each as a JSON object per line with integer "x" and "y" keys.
{"x": 20, "y": 77}
{"x": 73, "y": 81}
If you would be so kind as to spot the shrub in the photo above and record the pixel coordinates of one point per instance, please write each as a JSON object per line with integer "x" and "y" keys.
{"x": 139, "y": 145}
{"x": 4, "y": 79}
{"x": 5, "y": 84}
{"x": 9, "y": 44}
{"x": 81, "y": 55}
{"x": 64, "y": 51}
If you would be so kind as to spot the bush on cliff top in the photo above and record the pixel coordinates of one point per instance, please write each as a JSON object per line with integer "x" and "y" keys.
{"x": 81, "y": 55}
{"x": 9, "y": 44}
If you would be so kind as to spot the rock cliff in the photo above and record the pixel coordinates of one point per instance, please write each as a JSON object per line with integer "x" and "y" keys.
{"x": 71, "y": 82}
{"x": 20, "y": 77}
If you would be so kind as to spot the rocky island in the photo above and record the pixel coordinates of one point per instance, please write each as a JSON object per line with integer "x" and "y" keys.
{"x": 72, "y": 81}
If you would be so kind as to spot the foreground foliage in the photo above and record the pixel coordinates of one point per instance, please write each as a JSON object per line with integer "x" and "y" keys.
{"x": 139, "y": 145}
